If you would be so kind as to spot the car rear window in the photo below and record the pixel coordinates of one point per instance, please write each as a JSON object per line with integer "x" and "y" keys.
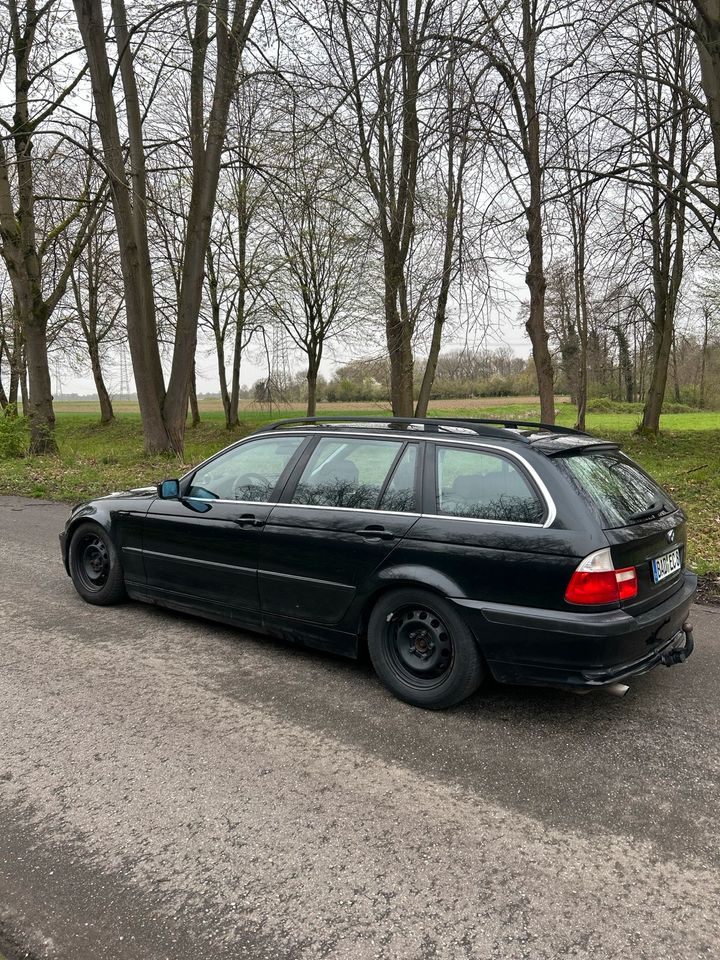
{"x": 615, "y": 486}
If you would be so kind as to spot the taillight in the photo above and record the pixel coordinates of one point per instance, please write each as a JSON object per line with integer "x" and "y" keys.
{"x": 597, "y": 581}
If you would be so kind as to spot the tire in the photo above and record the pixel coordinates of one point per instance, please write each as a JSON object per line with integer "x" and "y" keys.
{"x": 422, "y": 650}
{"x": 95, "y": 565}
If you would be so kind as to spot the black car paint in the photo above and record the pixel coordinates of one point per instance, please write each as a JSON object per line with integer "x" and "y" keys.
{"x": 312, "y": 574}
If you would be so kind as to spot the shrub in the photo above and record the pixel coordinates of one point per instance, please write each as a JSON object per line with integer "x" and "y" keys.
{"x": 13, "y": 437}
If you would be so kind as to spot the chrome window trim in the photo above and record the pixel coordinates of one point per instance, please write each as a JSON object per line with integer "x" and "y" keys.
{"x": 544, "y": 492}
{"x": 472, "y": 445}
{"x": 309, "y": 506}
{"x": 455, "y": 441}
{"x": 323, "y": 506}
{"x": 505, "y": 523}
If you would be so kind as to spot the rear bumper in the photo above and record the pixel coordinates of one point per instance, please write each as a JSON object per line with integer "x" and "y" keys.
{"x": 560, "y": 648}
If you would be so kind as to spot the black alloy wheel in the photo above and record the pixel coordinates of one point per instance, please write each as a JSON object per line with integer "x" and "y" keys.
{"x": 94, "y": 565}
{"x": 422, "y": 649}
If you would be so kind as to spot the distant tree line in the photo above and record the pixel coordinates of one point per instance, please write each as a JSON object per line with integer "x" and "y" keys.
{"x": 195, "y": 181}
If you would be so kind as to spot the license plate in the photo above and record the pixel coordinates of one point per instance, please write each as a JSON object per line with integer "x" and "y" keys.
{"x": 666, "y": 566}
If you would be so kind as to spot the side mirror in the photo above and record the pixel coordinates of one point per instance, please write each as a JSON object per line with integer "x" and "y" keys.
{"x": 169, "y": 489}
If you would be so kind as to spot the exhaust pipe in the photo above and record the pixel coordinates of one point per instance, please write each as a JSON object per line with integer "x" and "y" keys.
{"x": 616, "y": 689}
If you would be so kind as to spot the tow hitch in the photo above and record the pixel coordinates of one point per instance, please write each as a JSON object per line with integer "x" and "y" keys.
{"x": 679, "y": 654}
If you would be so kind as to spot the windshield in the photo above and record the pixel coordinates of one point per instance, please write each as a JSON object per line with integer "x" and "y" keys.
{"x": 615, "y": 487}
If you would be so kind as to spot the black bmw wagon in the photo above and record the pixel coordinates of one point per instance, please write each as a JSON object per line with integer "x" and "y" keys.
{"x": 448, "y": 549}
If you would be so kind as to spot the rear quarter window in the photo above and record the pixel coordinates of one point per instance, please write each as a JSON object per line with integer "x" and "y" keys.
{"x": 480, "y": 485}
{"x": 613, "y": 486}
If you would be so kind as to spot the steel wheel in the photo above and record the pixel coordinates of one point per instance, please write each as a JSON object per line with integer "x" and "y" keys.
{"x": 418, "y": 646}
{"x": 93, "y": 562}
{"x": 94, "y": 565}
{"x": 422, "y": 648}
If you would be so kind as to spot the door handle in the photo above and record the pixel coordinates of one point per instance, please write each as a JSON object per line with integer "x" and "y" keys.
{"x": 375, "y": 533}
{"x": 248, "y": 520}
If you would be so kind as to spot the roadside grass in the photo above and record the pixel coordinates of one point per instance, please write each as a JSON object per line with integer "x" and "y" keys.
{"x": 97, "y": 459}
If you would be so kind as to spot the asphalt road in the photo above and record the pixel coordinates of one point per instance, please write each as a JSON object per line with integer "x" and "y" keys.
{"x": 174, "y": 789}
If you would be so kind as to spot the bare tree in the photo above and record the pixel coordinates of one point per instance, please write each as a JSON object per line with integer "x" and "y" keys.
{"x": 377, "y": 57}
{"x": 458, "y": 82}
{"x": 164, "y": 412}
{"x": 42, "y": 80}
{"x": 515, "y": 40}
{"x": 239, "y": 257}
{"x": 97, "y": 292}
{"x": 668, "y": 142}
{"x": 315, "y": 293}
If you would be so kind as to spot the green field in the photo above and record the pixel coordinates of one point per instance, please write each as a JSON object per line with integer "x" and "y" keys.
{"x": 96, "y": 459}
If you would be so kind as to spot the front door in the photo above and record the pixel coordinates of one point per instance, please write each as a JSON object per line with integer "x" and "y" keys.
{"x": 201, "y": 550}
{"x": 344, "y": 512}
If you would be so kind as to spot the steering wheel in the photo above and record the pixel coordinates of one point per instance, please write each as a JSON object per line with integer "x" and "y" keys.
{"x": 246, "y": 480}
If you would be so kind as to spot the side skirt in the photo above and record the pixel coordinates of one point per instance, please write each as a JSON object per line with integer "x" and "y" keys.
{"x": 297, "y": 632}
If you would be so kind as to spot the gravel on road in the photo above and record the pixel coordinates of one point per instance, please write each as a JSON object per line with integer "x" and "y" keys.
{"x": 170, "y": 788}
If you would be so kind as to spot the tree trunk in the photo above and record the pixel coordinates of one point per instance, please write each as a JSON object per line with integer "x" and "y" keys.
{"x": 24, "y": 390}
{"x": 40, "y": 414}
{"x": 13, "y": 390}
{"x": 194, "y": 408}
{"x": 706, "y": 319}
{"x": 669, "y": 224}
{"x": 707, "y": 38}
{"x": 453, "y": 200}
{"x": 535, "y": 326}
{"x": 219, "y": 332}
{"x": 676, "y": 381}
{"x": 399, "y": 345}
{"x": 222, "y": 378}
{"x": 233, "y": 419}
{"x": 311, "y": 392}
{"x": 428, "y": 379}
{"x": 106, "y": 409}
{"x": 579, "y": 224}
{"x": 625, "y": 371}
{"x": 582, "y": 380}
{"x": 658, "y": 382}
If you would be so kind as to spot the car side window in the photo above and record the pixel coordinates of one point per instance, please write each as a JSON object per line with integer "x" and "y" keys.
{"x": 248, "y": 472}
{"x": 484, "y": 486}
{"x": 346, "y": 473}
{"x": 400, "y": 494}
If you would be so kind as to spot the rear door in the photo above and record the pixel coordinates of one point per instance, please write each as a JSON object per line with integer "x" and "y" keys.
{"x": 349, "y": 503}
{"x": 485, "y": 530}
{"x": 644, "y": 528}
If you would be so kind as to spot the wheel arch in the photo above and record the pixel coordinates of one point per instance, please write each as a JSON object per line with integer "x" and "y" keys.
{"x": 402, "y": 578}
{"x": 85, "y": 515}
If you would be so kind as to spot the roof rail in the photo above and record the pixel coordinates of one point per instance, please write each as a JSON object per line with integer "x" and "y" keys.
{"x": 512, "y": 424}
{"x": 483, "y": 428}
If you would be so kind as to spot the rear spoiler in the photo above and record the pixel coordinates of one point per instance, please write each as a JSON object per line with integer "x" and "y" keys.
{"x": 553, "y": 445}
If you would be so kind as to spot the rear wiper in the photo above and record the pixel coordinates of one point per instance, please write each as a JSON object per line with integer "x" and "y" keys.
{"x": 652, "y": 510}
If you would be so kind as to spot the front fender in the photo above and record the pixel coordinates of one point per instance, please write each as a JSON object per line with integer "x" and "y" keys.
{"x": 87, "y": 511}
